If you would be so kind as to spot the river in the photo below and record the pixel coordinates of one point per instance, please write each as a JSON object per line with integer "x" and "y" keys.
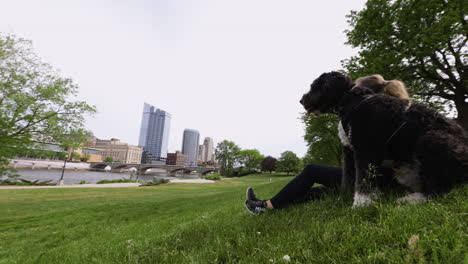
{"x": 71, "y": 177}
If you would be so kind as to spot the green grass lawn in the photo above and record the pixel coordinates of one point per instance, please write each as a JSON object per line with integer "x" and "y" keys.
{"x": 207, "y": 223}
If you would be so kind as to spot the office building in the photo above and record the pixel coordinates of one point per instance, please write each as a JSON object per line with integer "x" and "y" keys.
{"x": 190, "y": 144}
{"x": 119, "y": 151}
{"x": 201, "y": 153}
{"x": 154, "y": 132}
{"x": 176, "y": 158}
{"x": 209, "y": 151}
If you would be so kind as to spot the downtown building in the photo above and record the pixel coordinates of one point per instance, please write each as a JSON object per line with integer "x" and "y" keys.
{"x": 154, "y": 134}
{"x": 206, "y": 151}
{"x": 190, "y": 143}
{"x": 118, "y": 151}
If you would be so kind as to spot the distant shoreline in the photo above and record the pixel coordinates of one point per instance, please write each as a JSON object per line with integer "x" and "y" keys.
{"x": 25, "y": 164}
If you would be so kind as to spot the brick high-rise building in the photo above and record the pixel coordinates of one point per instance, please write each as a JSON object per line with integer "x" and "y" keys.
{"x": 176, "y": 158}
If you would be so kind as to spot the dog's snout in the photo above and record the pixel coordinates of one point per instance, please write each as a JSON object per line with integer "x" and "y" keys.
{"x": 302, "y": 99}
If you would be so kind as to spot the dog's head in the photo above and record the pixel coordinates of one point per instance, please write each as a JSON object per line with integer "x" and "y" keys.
{"x": 326, "y": 92}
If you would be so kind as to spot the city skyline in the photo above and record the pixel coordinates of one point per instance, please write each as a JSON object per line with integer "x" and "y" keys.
{"x": 234, "y": 79}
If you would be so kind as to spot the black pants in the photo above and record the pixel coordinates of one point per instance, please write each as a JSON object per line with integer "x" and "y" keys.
{"x": 300, "y": 188}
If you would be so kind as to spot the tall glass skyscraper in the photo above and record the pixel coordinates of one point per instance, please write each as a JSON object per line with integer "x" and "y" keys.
{"x": 154, "y": 132}
{"x": 190, "y": 146}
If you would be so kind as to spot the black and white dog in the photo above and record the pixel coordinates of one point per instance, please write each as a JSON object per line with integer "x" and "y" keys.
{"x": 428, "y": 151}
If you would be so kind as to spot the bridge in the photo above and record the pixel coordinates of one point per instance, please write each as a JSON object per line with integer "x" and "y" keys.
{"x": 143, "y": 168}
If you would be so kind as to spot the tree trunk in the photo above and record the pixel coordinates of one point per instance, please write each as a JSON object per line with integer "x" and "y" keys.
{"x": 462, "y": 107}
{"x": 462, "y": 117}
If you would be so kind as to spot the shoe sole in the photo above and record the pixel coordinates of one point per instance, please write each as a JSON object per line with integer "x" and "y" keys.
{"x": 247, "y": 193}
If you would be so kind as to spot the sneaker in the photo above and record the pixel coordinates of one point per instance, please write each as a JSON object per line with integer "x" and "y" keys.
{"x": 250, "y": 195}
{"x": 254, "y": 205}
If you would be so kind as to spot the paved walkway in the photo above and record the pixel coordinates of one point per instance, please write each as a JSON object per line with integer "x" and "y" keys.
{"x": 107, "y": 185}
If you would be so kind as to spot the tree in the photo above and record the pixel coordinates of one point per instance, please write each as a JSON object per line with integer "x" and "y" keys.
{"x": 227, "y": 154}
{"x": 75, "y": 156}
{"x": 36, "y": 103}
{"x": 288, "y": 162}
{"x": 421, "y": 42}
{"x": 321, "y": 135}
{"x": 250, "y": 159}
{"x": 109, "y": 159}
{"x": 268, "y": 164}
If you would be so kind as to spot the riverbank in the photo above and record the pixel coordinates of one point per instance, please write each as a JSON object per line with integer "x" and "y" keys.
{"x": 107, "y": 185}
{"x": 25, "y": 164}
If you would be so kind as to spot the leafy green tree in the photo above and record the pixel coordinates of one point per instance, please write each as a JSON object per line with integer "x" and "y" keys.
{"x": 321, "y": 135}
{"x": 250, "y": 159}
{"x": 227, "y": 154}
{"x": 36, "y": 103}
{"x": 75, "y": 156}
{"x": 268, "y": 164}
{"x": 288, "y": 162}
{"x": 421, "y": 42}
{"x": 109, "y": 159}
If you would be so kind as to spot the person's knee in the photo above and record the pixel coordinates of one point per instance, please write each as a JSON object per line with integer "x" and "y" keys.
{"x": 310, "y": 168}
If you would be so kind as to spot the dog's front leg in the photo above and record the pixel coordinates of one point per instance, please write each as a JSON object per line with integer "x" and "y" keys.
{"x": 362, "y": 188}
{"x": 349, "y": 170}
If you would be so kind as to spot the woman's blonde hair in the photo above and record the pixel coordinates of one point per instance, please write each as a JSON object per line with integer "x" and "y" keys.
{"x": 379, "y": 85}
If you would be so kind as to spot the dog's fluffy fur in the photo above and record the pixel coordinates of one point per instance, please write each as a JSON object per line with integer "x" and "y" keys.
{"x": 428, "y": 151}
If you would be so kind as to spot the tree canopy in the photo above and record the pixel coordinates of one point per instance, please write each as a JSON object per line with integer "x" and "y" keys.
{"x": 227, "y": 154}
{"x": 250, "y": 158}
{"x": 36, "y": 102}
{"x": 268, "y": 164}
{"x": 321, "y": 135}
{"x": 421, "y": 42}
{"x": 288, "y": 162}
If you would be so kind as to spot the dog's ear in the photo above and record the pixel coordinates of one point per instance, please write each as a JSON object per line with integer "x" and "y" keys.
{"x": 339, "y": 80}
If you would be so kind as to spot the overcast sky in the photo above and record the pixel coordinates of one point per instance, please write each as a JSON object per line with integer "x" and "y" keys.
{"x": 231, "y": 69}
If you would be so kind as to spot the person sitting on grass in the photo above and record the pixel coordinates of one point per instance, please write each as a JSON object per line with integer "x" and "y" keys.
{"x": 300, "y": 189}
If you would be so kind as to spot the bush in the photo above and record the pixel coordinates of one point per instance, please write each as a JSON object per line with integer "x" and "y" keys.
{"x": 213, "y": 177}
{"x": 82, "y": 182}
{"x": 156, "y": 182}
{"x": 115, "y": 181}
{"x": 20, "y": 181}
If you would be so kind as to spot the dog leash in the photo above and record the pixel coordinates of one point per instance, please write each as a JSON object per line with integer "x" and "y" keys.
{"x": 395, "y": 132}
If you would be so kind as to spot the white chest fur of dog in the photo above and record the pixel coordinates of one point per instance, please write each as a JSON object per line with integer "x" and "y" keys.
{"x": 343, "y": 136}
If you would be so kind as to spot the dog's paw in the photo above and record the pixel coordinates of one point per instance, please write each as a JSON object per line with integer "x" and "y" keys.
{"x": 361, "y": 199}
{"x": 413, "y": 198}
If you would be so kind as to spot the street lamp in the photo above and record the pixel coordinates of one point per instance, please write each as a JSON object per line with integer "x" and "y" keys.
{"x": 60, "y": 182}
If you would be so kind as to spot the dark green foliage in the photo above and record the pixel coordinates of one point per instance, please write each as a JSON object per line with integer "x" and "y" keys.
{"x": 321, "y": 135}
{"x": 421, "y": 42}
{"x": 155, "y": 182}
{"x": 288, "y": 162}
{"x": 268, "y": 164}
{"x": 19, "y": 181}
{"x": 213, "y": 177}
{"x": 115, "y": 181}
